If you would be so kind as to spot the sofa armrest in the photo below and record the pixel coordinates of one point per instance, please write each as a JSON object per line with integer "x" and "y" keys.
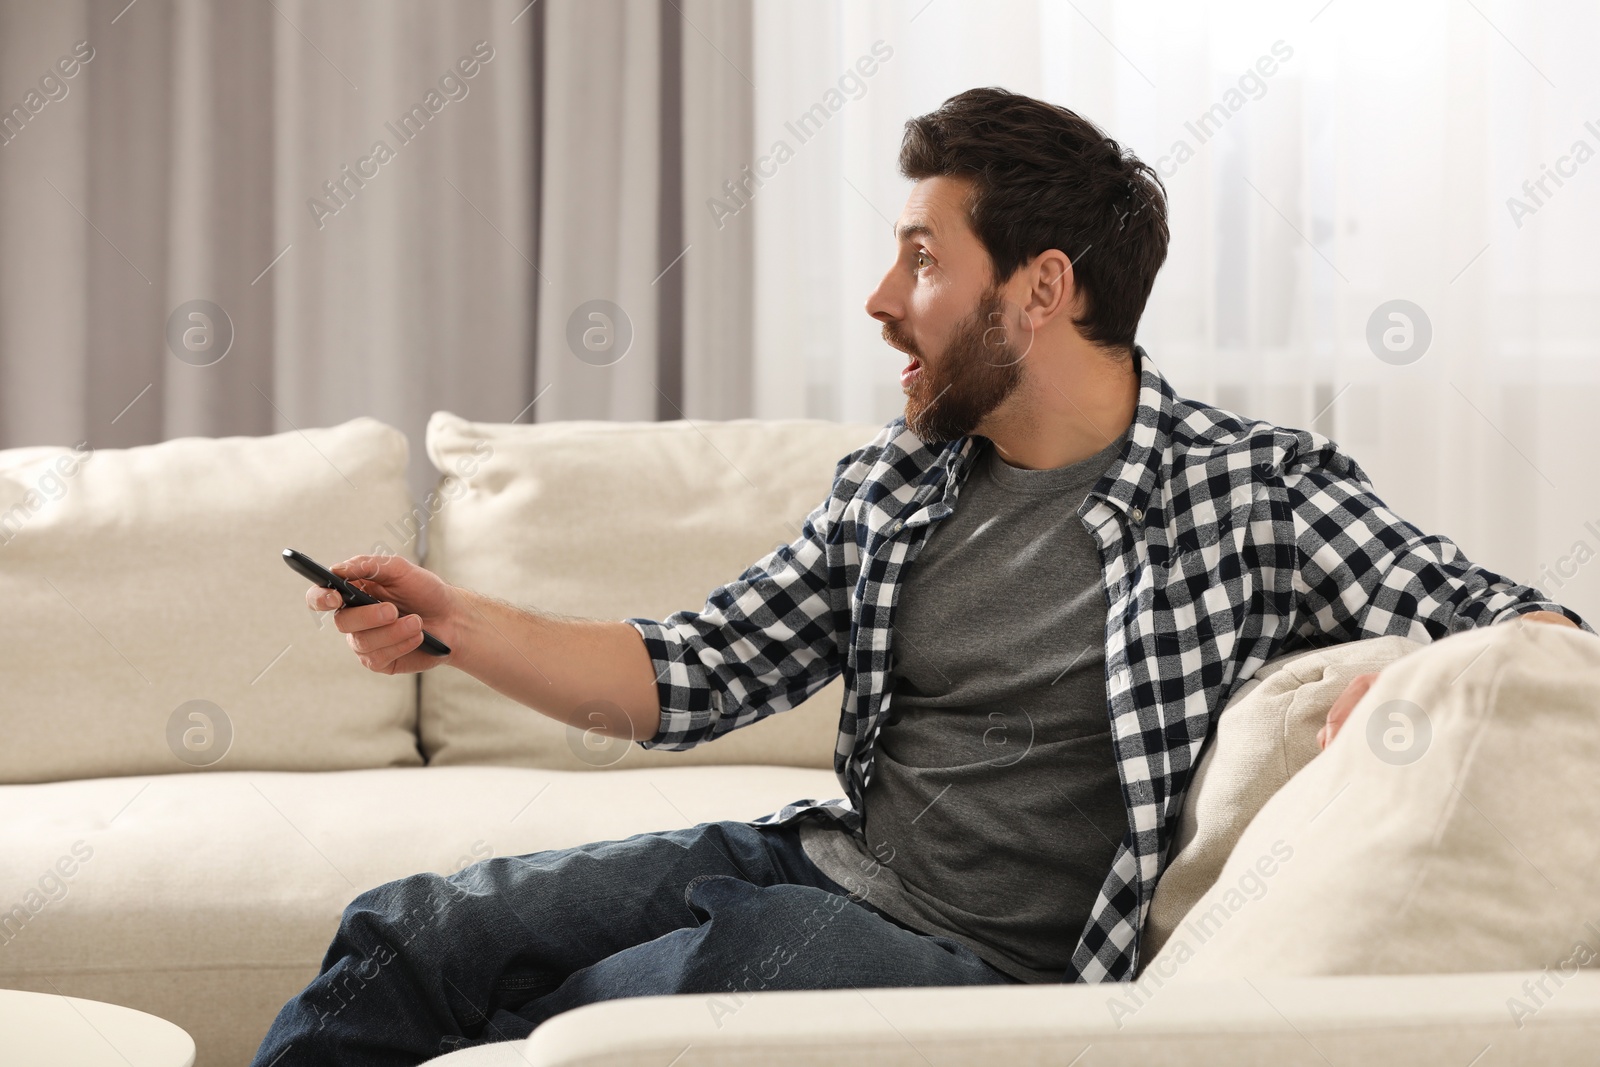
{"x": 1446, "y": 1020}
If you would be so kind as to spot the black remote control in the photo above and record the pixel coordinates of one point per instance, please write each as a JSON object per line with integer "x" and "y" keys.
{"x": 353, "y": 597}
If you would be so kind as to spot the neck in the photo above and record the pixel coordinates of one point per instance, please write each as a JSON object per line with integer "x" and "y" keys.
{"x": 1069, "y": 406}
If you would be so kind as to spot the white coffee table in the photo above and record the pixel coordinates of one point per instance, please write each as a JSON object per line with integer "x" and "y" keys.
{"x": 46, "y": 1030}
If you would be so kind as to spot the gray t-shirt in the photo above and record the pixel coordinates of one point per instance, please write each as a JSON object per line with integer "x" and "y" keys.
{"x": 994, "y": 808}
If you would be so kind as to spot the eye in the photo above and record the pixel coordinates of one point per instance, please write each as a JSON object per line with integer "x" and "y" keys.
{"x": 923, "y": 259}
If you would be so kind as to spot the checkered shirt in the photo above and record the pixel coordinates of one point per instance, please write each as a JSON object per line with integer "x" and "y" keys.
{"x": 1224, "y": 541}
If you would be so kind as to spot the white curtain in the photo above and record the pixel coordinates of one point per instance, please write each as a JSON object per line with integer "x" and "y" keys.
{"x": 1356, "y": 153}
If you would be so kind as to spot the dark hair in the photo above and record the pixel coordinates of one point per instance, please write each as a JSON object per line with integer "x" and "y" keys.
{"x": 1045, "y": 177}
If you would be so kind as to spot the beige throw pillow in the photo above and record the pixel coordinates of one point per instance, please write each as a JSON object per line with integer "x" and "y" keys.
{"x": 1449, "y": 827}
{"x": 1267, "y": 732}
{"x": 150, "y": 626}
{"x": 613, "y": 520}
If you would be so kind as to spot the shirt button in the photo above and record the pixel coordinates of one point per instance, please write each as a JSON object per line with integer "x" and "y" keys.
{"x": 1137, "y": 514}
{"x": 898, "y": 526}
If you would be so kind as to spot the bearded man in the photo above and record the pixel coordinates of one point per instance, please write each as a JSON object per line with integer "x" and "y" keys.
{"x": 1040, "y": 585}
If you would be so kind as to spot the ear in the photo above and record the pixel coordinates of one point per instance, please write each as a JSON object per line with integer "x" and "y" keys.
{"x": 1052, "y": 288}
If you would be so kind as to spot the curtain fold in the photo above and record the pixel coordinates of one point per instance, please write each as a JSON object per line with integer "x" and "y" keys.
{"x": 718, "y": 266}
{"x": 654, "y": 105}
{"x": 403, "y": 220}
{"x": 601, "y": 213}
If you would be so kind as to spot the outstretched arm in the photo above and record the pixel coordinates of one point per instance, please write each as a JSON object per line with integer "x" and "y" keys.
{"x": 762, "y": 643}
{"x": 587, "y": 673}
{"x": 1364, "y": 572}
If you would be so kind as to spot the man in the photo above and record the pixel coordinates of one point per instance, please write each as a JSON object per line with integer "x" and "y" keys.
{"x": 1040, "y": 585}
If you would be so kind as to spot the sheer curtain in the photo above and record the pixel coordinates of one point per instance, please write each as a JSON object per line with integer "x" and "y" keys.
{"x": 1323, "y": 161}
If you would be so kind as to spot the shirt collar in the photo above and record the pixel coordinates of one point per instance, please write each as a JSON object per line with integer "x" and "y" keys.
{"x": 1130, "y": 483}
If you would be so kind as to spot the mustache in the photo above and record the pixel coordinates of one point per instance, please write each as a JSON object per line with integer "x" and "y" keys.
{"x": 895, "y": 339}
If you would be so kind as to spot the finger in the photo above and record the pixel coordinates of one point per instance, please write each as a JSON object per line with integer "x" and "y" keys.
{"x": 372, "y": 589}
{"x": 1350, "y": 697}
{"x": 364, "y": 617}
{"x": 413, "y": 662}
{"x": 1343, "y": 706}
{"x": 321, "y": 599}
{"x": 378, "y": 637}
{"x": 1337, "y": 715}
{"x": 372, "y": 568}
{"x": 384, "y": 660}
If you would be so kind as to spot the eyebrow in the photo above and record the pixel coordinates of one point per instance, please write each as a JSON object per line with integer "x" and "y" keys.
{"x": 912, "y": 229}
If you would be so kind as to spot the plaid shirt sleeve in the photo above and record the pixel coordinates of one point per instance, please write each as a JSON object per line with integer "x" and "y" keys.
{"x": 1365, "y": 572}
{"x": 762, "y": 643}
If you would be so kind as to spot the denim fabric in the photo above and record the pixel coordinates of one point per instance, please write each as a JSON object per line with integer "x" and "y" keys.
{"x": 429, "y": 964}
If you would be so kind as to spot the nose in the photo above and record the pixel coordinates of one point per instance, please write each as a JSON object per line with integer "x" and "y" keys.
{"x": 883, "y": 303}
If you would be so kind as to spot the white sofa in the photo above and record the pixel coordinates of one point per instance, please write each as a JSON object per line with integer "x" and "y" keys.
{"x": 197, "y": 776}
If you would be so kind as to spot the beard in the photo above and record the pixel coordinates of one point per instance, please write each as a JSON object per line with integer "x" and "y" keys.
{"x": 979, "y": 368}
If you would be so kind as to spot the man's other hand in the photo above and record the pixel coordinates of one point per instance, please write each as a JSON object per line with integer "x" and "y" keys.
{"x": 1362, "y": 682}
{"x": 1344, "y": 706}
{"x": 1548, "y": 616}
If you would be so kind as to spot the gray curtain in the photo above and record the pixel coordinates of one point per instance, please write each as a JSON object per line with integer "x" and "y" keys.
{"x": 648, "y": 106}
{"x": 223, "y": 160}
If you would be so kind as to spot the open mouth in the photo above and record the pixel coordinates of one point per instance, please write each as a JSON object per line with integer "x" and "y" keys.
{"x": 909, "y": 374}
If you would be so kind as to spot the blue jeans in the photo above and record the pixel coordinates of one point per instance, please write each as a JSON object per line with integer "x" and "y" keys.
{"x": 429, "y": 964}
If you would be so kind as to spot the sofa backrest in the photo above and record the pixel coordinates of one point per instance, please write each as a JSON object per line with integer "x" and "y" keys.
{"x": 614, "y": 520}
{"x": 151, "y": 627}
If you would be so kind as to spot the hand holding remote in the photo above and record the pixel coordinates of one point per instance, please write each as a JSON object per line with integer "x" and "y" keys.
{"x": 390, "y": 610}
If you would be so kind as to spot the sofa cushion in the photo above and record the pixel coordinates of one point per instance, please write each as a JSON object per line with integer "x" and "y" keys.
{"x": 151, "y": 627}
{"x": 210, "y": 899}
{"x": 615, "y": 520}
{"x": 1448, "y": 827}
{"x": 1267, "y": 732}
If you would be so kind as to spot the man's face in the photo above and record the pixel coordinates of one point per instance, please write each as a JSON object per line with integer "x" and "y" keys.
{"x": 938, "y": 304}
